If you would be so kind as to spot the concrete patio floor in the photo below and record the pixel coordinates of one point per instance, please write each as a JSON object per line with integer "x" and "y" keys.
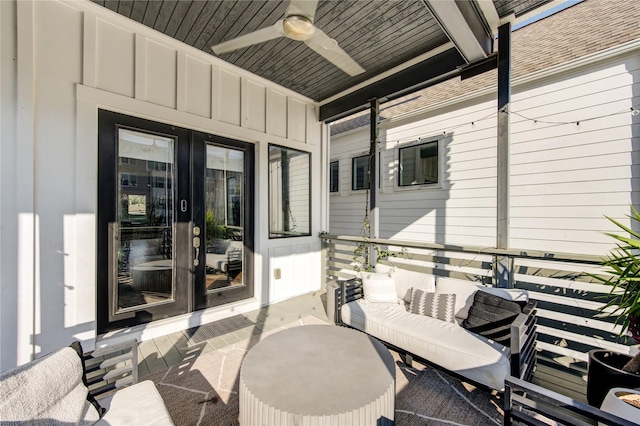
{"x": 162, "y": 352}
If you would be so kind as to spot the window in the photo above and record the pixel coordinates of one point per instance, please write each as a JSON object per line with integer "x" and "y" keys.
{"x": 418, "y": 164}
{"x": 289, "y": 192}
{"x": 128, "y": 179}
{"x": 360, "y": 173}
{"x": 334, "y": 183}
{"x": 158, "y": 181}
{"x": 156, "y": 165}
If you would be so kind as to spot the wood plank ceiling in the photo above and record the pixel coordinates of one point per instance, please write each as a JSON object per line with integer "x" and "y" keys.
{"x": 378, "y": 34}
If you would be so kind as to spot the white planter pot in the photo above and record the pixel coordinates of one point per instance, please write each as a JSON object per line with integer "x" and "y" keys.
{"x": 614, "y": 405}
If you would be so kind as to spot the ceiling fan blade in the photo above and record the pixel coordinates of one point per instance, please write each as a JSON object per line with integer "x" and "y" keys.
{"x": 302, "y": 7}
{"x": 329, "y": 49}
{"x": 259, "y": 36}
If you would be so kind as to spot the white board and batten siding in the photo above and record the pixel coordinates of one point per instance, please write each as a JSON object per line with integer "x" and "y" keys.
{"x": 564, "y": 178}
{"x": 70, "y": 59}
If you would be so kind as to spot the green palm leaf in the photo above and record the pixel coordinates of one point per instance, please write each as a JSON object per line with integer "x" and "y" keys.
{"x": 623, "y": 267}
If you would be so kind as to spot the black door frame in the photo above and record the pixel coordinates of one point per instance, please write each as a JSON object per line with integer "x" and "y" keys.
{"x": 190, "y": 283}
{"x": 203, "y": 298}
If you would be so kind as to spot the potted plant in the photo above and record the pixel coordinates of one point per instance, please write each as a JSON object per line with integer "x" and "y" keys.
{"x": 608, "y": 369}
{"x": 214, "y": 227}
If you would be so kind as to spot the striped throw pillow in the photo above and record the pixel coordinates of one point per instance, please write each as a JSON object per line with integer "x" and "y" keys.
{"x": 436, "y": 305}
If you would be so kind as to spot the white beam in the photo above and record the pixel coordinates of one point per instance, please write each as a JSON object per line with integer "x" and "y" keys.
{"x": 488, "y": 9}
{"x": 457, "y": 28}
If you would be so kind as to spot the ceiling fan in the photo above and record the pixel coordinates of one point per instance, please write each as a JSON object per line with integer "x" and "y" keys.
{"x": 297, "y": 24}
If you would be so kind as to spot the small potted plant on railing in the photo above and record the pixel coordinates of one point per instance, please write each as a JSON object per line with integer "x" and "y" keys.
{"x": 608, "y": 369}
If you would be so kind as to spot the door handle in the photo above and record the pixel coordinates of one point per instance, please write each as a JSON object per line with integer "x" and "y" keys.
{"x": 196, "y": 245}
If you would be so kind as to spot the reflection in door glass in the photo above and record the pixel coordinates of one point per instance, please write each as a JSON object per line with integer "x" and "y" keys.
{"x": 145, "y": 218}
{"x": 224, "y": 215}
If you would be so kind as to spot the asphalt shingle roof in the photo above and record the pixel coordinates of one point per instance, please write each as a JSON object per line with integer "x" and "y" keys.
{"x": 583, "y": 29}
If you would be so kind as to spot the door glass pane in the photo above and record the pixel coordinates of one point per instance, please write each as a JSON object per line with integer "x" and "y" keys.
{"x": 224, "y": 217}
{"x": 145, "y": 219}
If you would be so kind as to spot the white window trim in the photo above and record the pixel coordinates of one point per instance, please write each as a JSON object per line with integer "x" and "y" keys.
{"x": 422, "y": 186}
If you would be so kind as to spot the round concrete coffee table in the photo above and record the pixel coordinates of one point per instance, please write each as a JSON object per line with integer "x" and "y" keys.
{"x": 317, "y": 374}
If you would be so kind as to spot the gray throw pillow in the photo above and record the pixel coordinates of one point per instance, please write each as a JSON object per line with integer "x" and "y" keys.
{"x": 436, "y": 305}
{"x": 491, "y": 316}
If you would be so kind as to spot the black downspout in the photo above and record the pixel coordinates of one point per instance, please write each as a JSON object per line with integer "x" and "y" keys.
{"x": 285, "y": 189}
{"x": 374, "y": 110}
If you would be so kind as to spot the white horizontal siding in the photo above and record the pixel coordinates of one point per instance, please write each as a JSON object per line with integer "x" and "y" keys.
{"x": 566, "y": 212}
{"x": 596, "y": 186}
{"x": 574, "y": 176}
{"x": 565, "y": 175}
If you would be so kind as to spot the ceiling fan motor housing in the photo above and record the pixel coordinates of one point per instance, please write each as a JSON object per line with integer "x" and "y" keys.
{"x": 298, "y": 27}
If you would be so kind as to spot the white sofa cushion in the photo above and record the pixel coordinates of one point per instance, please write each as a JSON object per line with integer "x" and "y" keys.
{"x": 443, "y": 343}
{"x": 517, "y": 295}
{"x": 139, "y": 404}
{"x": 379, "y": 287}
{"x": 406, "y": 279}
{"x": 464, "y": 291}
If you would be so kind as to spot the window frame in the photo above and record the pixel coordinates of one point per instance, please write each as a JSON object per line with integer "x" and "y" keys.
{"x": 353, "y": 168}
{"x": 278, "y": 234}
{"x": 337, "y": 185}
{"x": 419, "y": 186}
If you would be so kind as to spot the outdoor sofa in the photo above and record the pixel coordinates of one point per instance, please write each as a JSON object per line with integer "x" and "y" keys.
{"x": 225, "y": 256}
{"x": 483, "y": 352}
{"x": 53, "y": 390}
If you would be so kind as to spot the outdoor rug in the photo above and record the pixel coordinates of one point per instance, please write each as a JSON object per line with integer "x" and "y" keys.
{"x": 203, "y": 390}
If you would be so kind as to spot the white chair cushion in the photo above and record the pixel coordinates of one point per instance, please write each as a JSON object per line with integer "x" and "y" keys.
{"x": 379, "y": 287}
{"x": 46, "y": 391}
{"x": 139, "y": 404}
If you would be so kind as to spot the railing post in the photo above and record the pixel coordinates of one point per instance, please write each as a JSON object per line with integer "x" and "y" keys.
{"x": 503, "y": 144}
{"x": 503, "y": 271}
{"x": 323, "y": 262}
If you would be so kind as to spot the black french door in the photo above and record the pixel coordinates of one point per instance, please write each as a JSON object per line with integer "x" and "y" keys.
{"x": 223, "y": 215}
{"x": 175, "y": 222}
